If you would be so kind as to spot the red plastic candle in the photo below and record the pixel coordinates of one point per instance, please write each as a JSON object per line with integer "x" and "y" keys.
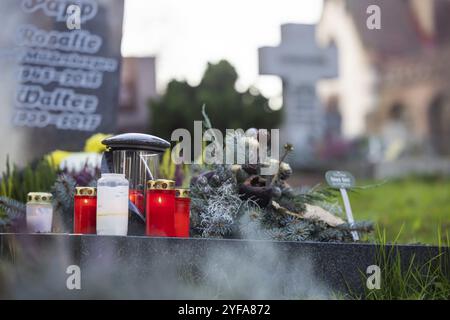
{"x": 182, "y": 210}
{"x": 160, "y": 208}
{"x": 137, "y": 197}
{"x": 85, "y": 211}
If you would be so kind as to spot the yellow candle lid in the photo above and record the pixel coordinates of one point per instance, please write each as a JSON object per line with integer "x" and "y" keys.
{"x": 161, "y": 184}
{"x": 86, "y": 191}
{"x": 39, "y": 197}
{"x": 182, "y": 193}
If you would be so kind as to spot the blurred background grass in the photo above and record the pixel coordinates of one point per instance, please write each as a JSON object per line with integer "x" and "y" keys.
{"x": 420, "y": 204}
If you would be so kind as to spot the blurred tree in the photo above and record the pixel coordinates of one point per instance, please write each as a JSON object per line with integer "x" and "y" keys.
{"x": 182, "y": 103}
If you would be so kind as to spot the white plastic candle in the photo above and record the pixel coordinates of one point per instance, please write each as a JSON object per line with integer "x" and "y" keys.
{"x": 112, "y": 204}
{"x": 39, "y": 214}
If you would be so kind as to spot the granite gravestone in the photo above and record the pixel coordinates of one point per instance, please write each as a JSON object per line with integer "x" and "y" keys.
{"x": 60, "y": 84}
{"x": 301, "y": 64}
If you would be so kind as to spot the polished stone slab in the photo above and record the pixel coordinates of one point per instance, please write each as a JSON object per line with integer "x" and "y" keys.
{"x": 36, "y": 266}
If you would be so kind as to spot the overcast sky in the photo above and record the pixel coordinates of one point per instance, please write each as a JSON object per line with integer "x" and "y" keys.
{"x": 185, "y": 34}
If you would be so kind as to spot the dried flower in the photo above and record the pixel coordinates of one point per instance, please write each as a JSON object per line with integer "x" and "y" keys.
{"x": 288, "y": 147}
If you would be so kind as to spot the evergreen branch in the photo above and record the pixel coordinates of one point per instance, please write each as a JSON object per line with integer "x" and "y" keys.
{"x": 64, "y": 191}
{"x": 13, "y": 209}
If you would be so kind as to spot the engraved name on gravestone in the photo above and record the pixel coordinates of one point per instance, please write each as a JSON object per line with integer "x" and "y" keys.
{"x": 301, "y": 64}
{"x": 60, "y": 85}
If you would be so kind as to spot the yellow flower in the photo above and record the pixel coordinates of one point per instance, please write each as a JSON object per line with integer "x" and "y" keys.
{"x": 94, "y": 143}
{"x": 56, "y": 157}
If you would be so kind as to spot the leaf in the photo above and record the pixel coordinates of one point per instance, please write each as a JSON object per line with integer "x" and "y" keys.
{"x": 320, "y": 214}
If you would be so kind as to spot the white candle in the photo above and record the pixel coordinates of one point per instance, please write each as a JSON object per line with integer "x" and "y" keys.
{"x": 39, "y": 214}
{"x": 112, "y": 205}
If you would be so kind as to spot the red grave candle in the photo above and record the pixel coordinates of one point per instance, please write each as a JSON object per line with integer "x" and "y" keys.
{"x": 85, "y": 210}
{"x": 182, "y": 210}
{"x": 138, "y": 199}
{"x": 160, "y": 208}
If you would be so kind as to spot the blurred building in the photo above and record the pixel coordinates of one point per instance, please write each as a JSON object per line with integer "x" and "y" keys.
{"x": 138, "y": 86}
{"x": 393, "y": 82}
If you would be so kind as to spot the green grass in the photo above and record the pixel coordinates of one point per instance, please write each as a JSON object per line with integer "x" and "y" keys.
{"x": 410, "y": 281}
{"x": 15, "y": 182}
{"x": 420, "y": 205}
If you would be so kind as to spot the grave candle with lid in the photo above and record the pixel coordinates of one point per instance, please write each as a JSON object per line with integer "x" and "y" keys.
{"x": 85, "y": 210}
{"x": 160, "y": 208}
{"x": 39, "y": 213}
{"x": 182, "y": 210}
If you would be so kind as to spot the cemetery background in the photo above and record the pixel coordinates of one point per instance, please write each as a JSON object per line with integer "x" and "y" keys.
{"x": 379, "y": 95}
{"x": 360, "y": 109}
{"x": 369, "y": 148}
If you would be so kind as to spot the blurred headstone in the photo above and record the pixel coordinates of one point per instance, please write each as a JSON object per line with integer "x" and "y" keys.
{"x": 60, "y": 84}
{"x": 138, "y": 86}
{"x": 301, "y": 63}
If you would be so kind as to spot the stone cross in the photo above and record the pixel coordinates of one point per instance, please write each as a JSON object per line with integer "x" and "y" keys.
{"x": 301, "y": 64}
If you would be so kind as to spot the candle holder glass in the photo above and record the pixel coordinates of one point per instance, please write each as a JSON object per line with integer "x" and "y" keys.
{"x": 138, "y": 167}
{"x": 112, "y": 204}
{"x": 161, "y": 208}
{"x": 85, "y": 210}
{"x": 182, "y": 213}
{"x": 39, "y": 212}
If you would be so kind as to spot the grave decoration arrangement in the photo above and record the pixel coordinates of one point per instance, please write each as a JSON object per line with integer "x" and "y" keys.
{"x": 224, "y": 201}
{"x": 237, "y": 201}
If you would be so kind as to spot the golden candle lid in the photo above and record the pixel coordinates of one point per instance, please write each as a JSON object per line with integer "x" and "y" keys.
{"x": 39, "y": 197}
{"x": 182, "y": 193}
{"x": 161, "y": 184}
{"x": 150, "y": 184}
{"x": 86, "y": 191}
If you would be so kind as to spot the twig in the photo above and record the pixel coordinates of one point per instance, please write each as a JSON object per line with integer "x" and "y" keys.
{"x": 287, "y": 148}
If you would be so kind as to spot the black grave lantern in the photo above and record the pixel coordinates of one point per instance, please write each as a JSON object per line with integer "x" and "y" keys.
{"x": 137, "y": 156}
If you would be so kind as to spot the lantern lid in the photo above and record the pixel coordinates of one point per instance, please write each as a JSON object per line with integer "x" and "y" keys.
{"x": 136, "y": 141}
